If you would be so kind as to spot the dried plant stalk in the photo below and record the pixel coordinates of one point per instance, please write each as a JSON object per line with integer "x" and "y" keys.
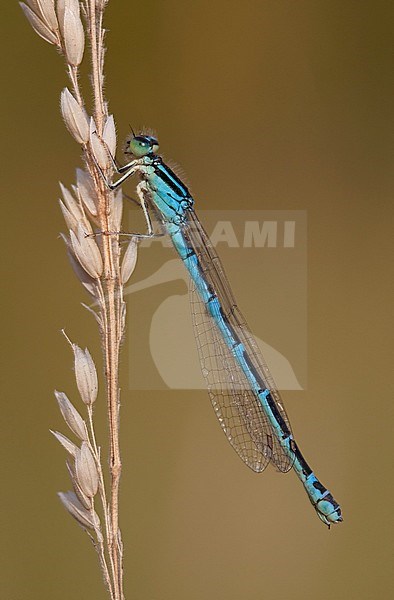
{"x": 72, "y": 25}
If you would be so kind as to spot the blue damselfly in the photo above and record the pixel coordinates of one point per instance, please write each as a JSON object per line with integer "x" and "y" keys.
{"x": 241, "y": 388}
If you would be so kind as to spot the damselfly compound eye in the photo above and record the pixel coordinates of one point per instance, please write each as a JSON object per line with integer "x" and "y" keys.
{"x": 141, "y": 145}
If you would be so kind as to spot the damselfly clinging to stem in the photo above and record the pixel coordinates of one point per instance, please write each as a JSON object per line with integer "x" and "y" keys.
{"x": 241, "y": 388}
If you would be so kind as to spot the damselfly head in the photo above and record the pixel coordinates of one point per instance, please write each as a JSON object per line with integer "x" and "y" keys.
{"x": 141, "y": 145}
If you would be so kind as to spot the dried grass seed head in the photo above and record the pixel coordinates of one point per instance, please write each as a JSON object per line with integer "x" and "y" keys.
{"x": 75, "y": 508}
{"x": 85, "y": 501}
{"x": 73, "y": 34}
{"x": 86, "y": 471}
{"x": 87, "y": 281}
{"x": 74, "y": 117}
{"x": 46, "y": 9}
{"x": 99, "y": 150}
{"x": 71, "y": 203}
{"x": 69, "y": 218}
{"x": 117, "y": 210}
{"x": 109, "y": 135}
{"x": 129, "y": 260}
{"x": 66, "y": 443}
{"x": 42, "y": 24}
{"x": 86, "y": 190}
{"x": 87, "y": 252}
{"x": 74, "y": 38}
{"x": 71, "y": 416}
{"x": 85, "y": 374}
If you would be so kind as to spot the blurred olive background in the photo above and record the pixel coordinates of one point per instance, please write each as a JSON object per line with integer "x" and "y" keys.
{"x": 282, "y": 105}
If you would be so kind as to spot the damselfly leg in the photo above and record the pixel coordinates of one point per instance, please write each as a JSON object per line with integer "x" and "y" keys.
{"x": 129, "y": 170}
